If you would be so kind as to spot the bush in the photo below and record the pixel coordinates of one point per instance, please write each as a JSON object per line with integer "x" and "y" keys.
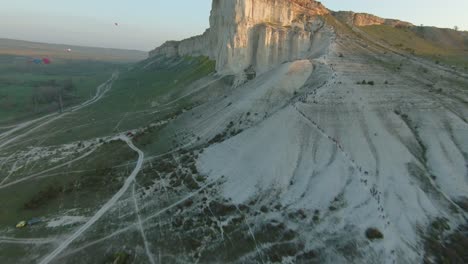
{"x": 43, "y": 197}
{"x": 121, "y": 258}
{"x": 370, "y": 82}
{"x": 165, "y": 167}
{"x": 373, "y": 234}
{"x": 218, "y": 138}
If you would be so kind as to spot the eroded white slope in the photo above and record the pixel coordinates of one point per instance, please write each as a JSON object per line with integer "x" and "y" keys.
{"x": 389, "y": 156}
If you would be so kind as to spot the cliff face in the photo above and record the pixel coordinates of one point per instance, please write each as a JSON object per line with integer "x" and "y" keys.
{"x": 363, "y": 19}
{"x": 257, "y": 33}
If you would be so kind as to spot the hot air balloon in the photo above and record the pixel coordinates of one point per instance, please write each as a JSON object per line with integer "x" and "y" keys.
{"x": 117, "y": 24}
{"x": 69, "y": 50}
{"x": 37, "y": 61}
{"x": 46, "y": 61}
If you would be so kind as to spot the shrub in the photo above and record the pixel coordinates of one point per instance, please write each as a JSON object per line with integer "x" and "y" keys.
{"x": 43, "y": 197}
{"x": 218, "y": 138}
{"x": 121, "y": 258}
{"x": 221, "y": 209}
{"x": 370, "y": 82}
{"x": 316, "y": 218}
{"x": 308, "y": 257}
{"x": 373, "y": 234}
{"x": 193, "y": 169}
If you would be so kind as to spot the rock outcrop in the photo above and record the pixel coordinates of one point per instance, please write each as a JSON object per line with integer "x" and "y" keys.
{"x": 363, "y": 19}
{"x": 258, "y": 34}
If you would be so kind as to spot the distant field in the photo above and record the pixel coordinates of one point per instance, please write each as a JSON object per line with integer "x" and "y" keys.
{"x": 135, "y": 100}
{"x": 28, "y": 90}
{"x": 440, "y": 45}
{"x": 22, "y": 82}
{"x": 60, "y": 52}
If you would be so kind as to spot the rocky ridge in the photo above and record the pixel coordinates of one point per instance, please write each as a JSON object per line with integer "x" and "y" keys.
{"x": 364, "y": 19}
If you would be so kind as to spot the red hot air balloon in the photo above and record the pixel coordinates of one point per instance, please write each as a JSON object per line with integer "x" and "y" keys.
{"x": 46, "y": 61}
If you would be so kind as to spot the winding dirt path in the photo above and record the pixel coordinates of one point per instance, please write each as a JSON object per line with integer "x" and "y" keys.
{"x": 101, "y": 91}
{"x": 141, "y": 227}
{"x": 34, "y": 241}
{"x": 104, "y": 208}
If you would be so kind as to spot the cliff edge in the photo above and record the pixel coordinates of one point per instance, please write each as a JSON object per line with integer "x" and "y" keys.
{"x": 252, "y": 34}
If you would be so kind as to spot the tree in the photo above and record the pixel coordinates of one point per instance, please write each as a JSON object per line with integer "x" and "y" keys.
{"x": 59, "y": 90}
{"x": 69, "y": 86}
{"x": 456, "y": 28}
{"x": 48, "y": 92}
{"x": 43, "y": 94}
{"x": 53, "y": 92}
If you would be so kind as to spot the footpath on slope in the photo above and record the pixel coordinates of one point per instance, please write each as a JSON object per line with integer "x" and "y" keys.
{"x": 104, "y": 208}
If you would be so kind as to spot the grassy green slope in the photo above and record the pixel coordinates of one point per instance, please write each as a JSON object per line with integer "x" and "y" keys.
{"x": 137, "y": 98}
{"x": 435, "y": 44}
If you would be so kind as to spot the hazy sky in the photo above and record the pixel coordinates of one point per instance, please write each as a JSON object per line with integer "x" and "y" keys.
{"x": 145, "y": 24}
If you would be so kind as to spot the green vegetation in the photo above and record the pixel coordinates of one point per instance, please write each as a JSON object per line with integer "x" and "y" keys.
{"x": 120, "y": 258}
{"x": 137, "y": 99}
{"x": 443, "y": 245}
{"x": 367, "y": 83}
{"x": 28, "y": 90}
{"x": 70, "y": 188}
{"x": 422, "y": 44}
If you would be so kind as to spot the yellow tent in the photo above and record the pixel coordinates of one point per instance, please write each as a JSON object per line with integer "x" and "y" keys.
{"x": 21, "y": 224}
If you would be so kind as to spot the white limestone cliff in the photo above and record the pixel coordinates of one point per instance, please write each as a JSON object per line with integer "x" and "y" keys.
{"x": 253, "y": 33}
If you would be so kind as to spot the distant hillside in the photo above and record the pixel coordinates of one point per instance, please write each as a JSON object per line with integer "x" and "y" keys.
{"x": 59, "y": 51}
{"x": 442, "y": 45}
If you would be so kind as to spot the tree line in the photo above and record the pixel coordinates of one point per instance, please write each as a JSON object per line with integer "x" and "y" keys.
{"x": 53, "y": 91}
